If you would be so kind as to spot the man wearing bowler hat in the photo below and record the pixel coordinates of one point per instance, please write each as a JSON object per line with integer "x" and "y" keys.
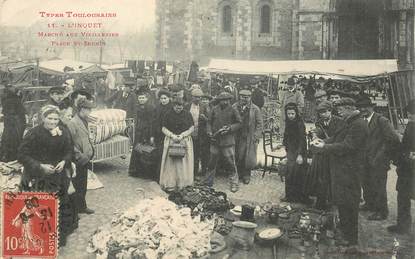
{"x": 257, "y": 95}
{"x": 248, "y": 136}
{"x": 221, "y": 127}
{"x": 125, "y": 99}
{"x": 382, "y": 139}
{"x": 290, "y": 95}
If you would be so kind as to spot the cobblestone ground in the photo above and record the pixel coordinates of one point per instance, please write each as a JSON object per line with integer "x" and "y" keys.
{"x": 121, "y": 192}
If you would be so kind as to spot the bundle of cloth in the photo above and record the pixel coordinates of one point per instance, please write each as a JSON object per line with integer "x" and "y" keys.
{"x": 10, "y": 176}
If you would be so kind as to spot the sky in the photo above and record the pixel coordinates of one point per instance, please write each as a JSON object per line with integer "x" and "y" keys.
{"x": 132, "y": 15}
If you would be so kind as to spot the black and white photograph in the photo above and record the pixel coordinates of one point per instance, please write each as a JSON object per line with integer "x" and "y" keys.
{"x": 211, "y": 129}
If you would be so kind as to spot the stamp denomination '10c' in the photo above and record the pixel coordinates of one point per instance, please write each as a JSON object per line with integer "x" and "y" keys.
{"x": 30, "y": 221}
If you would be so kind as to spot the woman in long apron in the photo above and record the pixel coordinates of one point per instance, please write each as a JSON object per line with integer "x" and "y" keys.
{"x": 176, "y": 172}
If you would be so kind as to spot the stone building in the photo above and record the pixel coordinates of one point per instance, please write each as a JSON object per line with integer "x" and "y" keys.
{"x": 285, "y": 29}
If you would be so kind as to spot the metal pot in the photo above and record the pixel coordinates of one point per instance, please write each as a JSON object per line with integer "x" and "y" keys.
{"x": 243, "y": 234}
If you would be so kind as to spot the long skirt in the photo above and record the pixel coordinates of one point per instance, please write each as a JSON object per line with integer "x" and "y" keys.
{"x": 318, "y": 180}
{"x": 176, "y": 173}
{"x": 143, "y": 165}
{"x": 294, "y": 180}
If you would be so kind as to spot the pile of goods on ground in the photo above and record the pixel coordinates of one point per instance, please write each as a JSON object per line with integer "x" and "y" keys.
{"x": 202, "y": 200}
{"x": 10, "y": 176}
{"x": 154, "y": 228}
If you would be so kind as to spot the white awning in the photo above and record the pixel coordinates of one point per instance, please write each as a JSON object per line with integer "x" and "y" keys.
{"x": 347, "y": 68}
{"x": 57, "y": 66}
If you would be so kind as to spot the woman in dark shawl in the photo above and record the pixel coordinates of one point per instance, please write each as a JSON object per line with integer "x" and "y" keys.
{"x": 141, "y": 165}
{"x": 295, "y": 145}
{"x": 46, "y": 154}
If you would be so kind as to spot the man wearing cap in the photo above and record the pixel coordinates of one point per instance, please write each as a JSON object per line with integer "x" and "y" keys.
{"x": 55, "y": 96}
{"x": 222, "y": 124}
{"x": 318, "y": 180}
{"x": 335, "y": 95}
{"x": 248, "y": 136}
{"x": 405, "y": 184}
{"x": 291, "y": 95}
{"x": 200, "y": 117}
{"x": 14, "y": 122}
{"x": 381, "y": 142}
{"x": 346, "y": 151}
{"x": 84, "y": 151}
{"x": 125, "y": 99}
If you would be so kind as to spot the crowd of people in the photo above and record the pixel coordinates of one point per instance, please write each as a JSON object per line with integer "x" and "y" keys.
{"x": 184, "y": 136}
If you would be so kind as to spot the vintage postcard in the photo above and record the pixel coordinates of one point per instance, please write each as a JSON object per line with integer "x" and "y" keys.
{"x": 164, "y": 129}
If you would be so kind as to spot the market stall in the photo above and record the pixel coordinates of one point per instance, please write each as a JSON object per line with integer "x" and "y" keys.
{"x": 382, "y": 73}
{"x": 55, "y": 72}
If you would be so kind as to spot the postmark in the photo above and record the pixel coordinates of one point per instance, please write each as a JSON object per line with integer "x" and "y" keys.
{"x": 29, "y": 225}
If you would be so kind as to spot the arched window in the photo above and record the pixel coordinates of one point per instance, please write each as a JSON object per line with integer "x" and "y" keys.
{"x": 227, "y": 19}
{"x": 265, "y": 13}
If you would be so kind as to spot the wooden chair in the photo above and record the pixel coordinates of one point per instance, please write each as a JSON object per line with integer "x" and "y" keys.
{"x": 271, "y": 152}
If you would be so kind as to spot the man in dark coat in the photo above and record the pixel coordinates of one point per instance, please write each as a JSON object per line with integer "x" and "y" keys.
{"x": 318, "y": 177}
{"x": 125, "y": 99}
{"x": 248, "y": 136}
{"x": 406, "y": 174}
{"x": 257, "y": 95}
{"x": 83, "y": 152}
{"x": 14, "y": 122}
{"x": 223, "y": 122}
{"x": 200, "y": 117}
{"x": 381, "y": 141}
{"x": 346, "y": 149}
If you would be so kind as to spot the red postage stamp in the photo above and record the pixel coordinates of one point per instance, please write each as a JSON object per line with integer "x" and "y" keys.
{"x": 30, "y": 221}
